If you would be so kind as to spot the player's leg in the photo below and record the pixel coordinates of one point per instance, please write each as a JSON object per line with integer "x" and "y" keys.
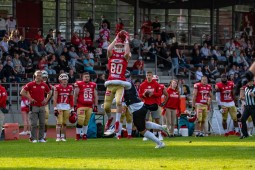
{"x": 109, "y": 95}
{"x": 118, "y": 134}
{"x": 233, "y": 113}
{"x": 47, "y": 112}
{"x": 224, "y": 120}
{"x": 88, "y": 112}
{"x": 59, "y": 125}
{"x": 204, "y": 121}
{"x": 119, "y": 97}
{"x": 66, "y": 114}
{"x": 199, "y": 119}
{"x": 170, "y": 127}
{"x": 250, "y": 126}
{"x": 80, "y": 122}
{"x": 128, "y": 123}
{"x": 25, "y": 123}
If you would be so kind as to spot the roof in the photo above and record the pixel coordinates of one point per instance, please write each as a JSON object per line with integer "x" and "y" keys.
{"x": 187, "y": 4}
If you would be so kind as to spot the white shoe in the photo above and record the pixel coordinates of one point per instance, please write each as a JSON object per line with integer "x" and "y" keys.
{"x": 23, "y": 133}
{"x": 162, "y": 145}
{"x": 160, "y": 137}
{"x": 42, "y": 141}
{"x": 63, "y": 139}
{"x": 58, "y": 140}
{"x": 28, "y": 132}
{"x": 34, "y": 141}
{"x": 145, "y": 139}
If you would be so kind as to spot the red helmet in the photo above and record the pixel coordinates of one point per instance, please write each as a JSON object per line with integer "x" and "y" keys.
{"x": 73, "y": 117}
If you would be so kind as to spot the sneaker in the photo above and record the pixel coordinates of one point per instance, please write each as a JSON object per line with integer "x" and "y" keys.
{"x": 58, "y": 140}
{"x": 23, "y": 133}
{"x": 129, "y": 137}
{"x": 237, "y": 134}
{"x": 231, "y": 132}
{"x": 78, "y": 136}
{"x": 119, "y": 137}
{"x": 28, "y": 132}
{"x": 34, "y": 141}
{"x": 145, "y": 139}
{"x": 84, "y": 137}
{"x": 117, "y": 124}
{"x": 161, "y": 145}
{"x": 108, "y": 124}
{"x": 201, "y": 135}
{"x": 165, "y": 132}
{"x": 63, "y": 139}
{"x": 226, "y": 134}
{"x": 242, "y": 137}
{"x": 42, "y": 141}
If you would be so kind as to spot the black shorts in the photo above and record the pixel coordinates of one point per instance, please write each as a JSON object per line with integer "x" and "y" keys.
{"x": 139, "y": 118}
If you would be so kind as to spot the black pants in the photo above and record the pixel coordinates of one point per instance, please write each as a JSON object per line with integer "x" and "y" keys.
{"x": 139, "y": 118}
{"x": 248, "y": 111}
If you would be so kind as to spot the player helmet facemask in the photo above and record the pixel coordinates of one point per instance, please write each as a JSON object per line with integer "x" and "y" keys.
{"x": 63, "y": 77}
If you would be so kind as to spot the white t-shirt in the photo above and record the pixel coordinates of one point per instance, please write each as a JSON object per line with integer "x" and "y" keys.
{"x": 11, "y": 24}
{"x": 2, "y": 24}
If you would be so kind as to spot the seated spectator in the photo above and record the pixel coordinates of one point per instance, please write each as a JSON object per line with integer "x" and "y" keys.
{"x": 50, "y": 47}
{"x": 71, "y": 76}
{"x": 205, "y": 53}
{"x": 213, "y": 68}
{"x": 233, "y": 70}
{"x": 27, "y": 64}
{"x": 230, "y": 46}
{"x": 158, "y": 41}
{"x": 60, "y": 38}
{"x": 211, "y": 53}
{"x": 153, "y": 52}
{"x": 207, "y": 73}
{"x": 13, "y": 46}
{"x": 198, "y": 74}
{"x": 4, "y": 46}
{"x": 24, "y": 46}
{"x": 59, "y": 48}
{"x": 63, "y": 64}
{"x": 236, "y": 78}
{"x": 39, "y": 48}
{"x": 137, "y": 83}
{"x": 1, "y": 72}
{"x": 138, "y": 67}
{"x": 208, "y": 40}
{"x": 66, "y": 54}
{"x": 183, "y": 62}
{"x": 53, "y": 64}
{"x": 136, "y": 43}
{"x": 39, "y": 35}
{"x": 74, "y": 57}
{"x": 10, "y": 73}
{"x": 100, "y": 82}
{"x": 17, "y": 65}
{"x": 242, "y": 61}
{"x": 8, "y": 59}
{"x": 88, "y": 65}
{"x": 163, "y": 53}
{"x": 83, "y": 47}
{"x": 89, "y": 42}
{"x": 195, "y": 48}
{"x": 75, "y": 40}
{"x": 216, "y": 52}
{"x": 49, "y": 36}
{"x": 150, "y": 40}
{"x": 43, "y": 65}
{"x": 15, "y": 36}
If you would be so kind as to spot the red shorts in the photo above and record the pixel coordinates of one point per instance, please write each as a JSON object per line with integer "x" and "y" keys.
{"x": 25, "y": 109}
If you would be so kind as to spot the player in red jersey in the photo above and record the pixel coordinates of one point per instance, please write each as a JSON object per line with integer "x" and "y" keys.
{"x": 63, "y": 105}
{"x": 3, "y": 99}
{"x": 118, "y": 56}
{"x": 202, "y": 96}
{"x": 226, "y": 89}
{"x": 85, "y": 97}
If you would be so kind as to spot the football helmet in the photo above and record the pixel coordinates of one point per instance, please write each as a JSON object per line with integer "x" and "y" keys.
{"x": 119, "y": 46}
{"x": 73, "y": 117}
{"x": 63, "y": 76}
{"x": 44, "y": 74}
{"x": 155, "y": 77}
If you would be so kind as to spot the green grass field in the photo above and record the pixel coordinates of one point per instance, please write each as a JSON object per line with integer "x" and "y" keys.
{"x": 180, "y": 153}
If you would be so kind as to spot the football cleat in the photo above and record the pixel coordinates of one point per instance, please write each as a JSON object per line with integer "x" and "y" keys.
{"x": 23, "y": 133}
{"x": 161, "y": 145}
{"x": 226, "y": 134}
{"x": 231, "y": 132}
{"x": 78, "y": 136}
{"x": 129, "y": 137}
{"x": 63, "y": 139}
{"x": 242, "y": 137}
{"x": 108, "y": 124}
{"x": 119, "y": 137}
{"x": 117, "y": 124}
{"x": 58, "y": 140}
{"x": 84, "y": 137}
{"x": 237, "y": 134}
{"x": 145, "y": 139}
{"x": 42, "y": 141}
{"x": 34, "y": 141}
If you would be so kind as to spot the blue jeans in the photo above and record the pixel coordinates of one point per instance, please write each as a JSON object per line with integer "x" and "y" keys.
{"x": 90, "y": 71}
{"x": 175, "y": 62}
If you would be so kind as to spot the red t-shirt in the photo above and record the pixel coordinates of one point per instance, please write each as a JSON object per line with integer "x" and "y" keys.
{"x": 37, "y": 92}
{"x": 138, "y": 63}
{"x": 86, "y": 93}
{"x": 3, "y": 97}
{"x": 64, "y": 94}
{"x": 75, "y": 40}
{"x": 173, "y": 100}
{"x": 89, "y": 41}
{"x": 226, "y": 91}
{"x": 147, "y": 27}
{"x": 203, "y": 92}
{"x": 152, "y": 86}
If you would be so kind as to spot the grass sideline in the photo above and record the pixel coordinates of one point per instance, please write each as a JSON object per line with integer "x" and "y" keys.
{"x": 214, "y": 152}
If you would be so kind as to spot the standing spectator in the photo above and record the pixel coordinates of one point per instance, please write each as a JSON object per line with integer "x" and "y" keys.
{"x": 104, "y": 22}
{"x": 153, "y": 52}
{"x": 35, "y": 92}
{"x": 49, "y": 36}
{"x": 100, "y": 82}
{"x": 11, "y": 24}
{"x": 3, "y": 26}
{"x": 138, "y": 67}
{"x": 3, "y": 110}
{"x": 175, "y": 56}
{"x": 119, "y": 26}
{"x": 89, "y": 27}
{"x": 85, "y": 98}
{"x": 146, "y": 27}
{"x": 88, "y": 64}
{"x": 156, "y": 26}
{"x": 4, "y": 47}
{"x": 105, "y": 32}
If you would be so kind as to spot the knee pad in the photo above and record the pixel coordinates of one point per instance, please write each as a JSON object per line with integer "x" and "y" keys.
{"x": 78, "y": 126}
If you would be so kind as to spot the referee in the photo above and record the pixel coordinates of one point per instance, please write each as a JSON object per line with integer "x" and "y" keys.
{"x": 249, "y": 109}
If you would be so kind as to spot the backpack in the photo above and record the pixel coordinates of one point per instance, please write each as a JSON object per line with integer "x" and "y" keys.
{"x": 100, "y": 130}
{"x": 92, "y": 129}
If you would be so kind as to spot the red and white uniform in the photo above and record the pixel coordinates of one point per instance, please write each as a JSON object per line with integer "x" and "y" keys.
{"x": 162, "y": 97}
{"x": 24, "y": 104}
{"x": 152, "y": 86}
{"x": 226, "y": 93}
{"x": 86, "y": 93}
{"x": 65, "y": 97}
{"x": 117, "y": 65}
{"x": 105, "y": 33}
{"x": 173, "y": 100}
{"x": 203, "y": 93}
{"x": 3, "y": 97}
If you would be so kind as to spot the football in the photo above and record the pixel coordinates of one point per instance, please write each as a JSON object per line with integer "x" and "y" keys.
{"x": 122, "y": 35}
{"x": 147, "y": 93}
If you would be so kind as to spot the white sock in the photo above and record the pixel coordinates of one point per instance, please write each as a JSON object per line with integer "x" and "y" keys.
{"x": 45, "y": 134}
{"x": 152, "y": 137}
{"x": 151, "y": 125}
{"x": 236, "y": 129}
{"x": 129, "y": 128}
{"x": 58, "y": 135}
{"x": 85, "y": 129}
{"x": 62, "y": 136}
{"x": 226, "y": 130}
{"x": 120, "y": 129}
{"x": 118, "y": 115}
{"x": 249, "y": 124}
{"x": 78, "y": 130}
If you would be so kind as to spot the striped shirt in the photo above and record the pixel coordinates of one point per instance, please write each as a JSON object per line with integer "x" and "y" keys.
{"x": 250, "y": 100}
